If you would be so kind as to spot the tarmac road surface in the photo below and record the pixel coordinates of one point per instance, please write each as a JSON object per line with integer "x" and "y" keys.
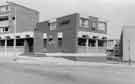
{"x": 19, "y": 73}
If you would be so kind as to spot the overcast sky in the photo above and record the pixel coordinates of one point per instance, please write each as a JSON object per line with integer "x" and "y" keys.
{"x": 115, "y": 12}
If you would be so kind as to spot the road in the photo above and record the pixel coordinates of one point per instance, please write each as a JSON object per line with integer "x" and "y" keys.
{"x": 19, "y": 73}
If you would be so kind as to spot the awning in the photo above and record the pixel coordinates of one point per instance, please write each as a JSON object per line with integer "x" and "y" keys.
{"x": 20, "y": 35}
{"x": 91, "y": 35}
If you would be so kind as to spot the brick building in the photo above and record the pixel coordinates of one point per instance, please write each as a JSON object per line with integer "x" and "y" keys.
{"x": 17, "y": 25}
{"x": 71, "y": 34}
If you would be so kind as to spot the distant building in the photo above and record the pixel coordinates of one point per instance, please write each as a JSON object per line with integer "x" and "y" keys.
{"x": 128, "y": 43}
{"x": 71, "y": 34}
{"x": 15, "y": 18}
{"x": 113, "y": 49}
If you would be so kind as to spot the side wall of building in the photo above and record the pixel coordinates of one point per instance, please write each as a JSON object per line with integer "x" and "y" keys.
{"x": 121, "y": 45}
{"x": 69, "y": 32}
{"x": 42, "y": 27}
{"x": 66, "y": 25}
{"x": 128, "y": 44}
{"x": 26, "y": 19}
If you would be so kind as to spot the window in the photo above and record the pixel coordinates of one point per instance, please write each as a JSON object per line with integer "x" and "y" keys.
{"x": 2, "y": 42}
{"x": 92, "y": 42}
{"x": 3, "y": 18}
{"x": 4, "y": 29}
{"x": 60, "y": 35}
{"x": 94, "y": 26}
{"x": 45, "y": 43}
{"x": 64, "y": 22}
{"x": 4, "y": 9}
{"x": 60, "y": 42}
{"x": 10, "y": 42}
{"x": 53, "y": 26}
{"x": 19, "y": 42}
{"x": 84, "y": 23}
{"x": 81, "y": 41}
{"x": 101, "y": 43}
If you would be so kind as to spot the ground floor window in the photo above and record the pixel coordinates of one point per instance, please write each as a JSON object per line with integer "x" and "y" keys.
{"x": 92, "y": 43}
{"x": 45, "y": 43}
{"x": 81, "y": 41}
{"x": 10, "y": 42}
{"x": 101, "y": 43}
{"x": 19, "y": 42}
{"x": 60, "y": 42}
{"x": 2, "y": 42}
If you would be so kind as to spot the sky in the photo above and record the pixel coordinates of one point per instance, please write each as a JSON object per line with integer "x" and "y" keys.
{"x": 116, "y": 12}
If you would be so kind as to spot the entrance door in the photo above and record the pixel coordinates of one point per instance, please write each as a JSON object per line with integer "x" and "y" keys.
{"x": 28, "y": 45}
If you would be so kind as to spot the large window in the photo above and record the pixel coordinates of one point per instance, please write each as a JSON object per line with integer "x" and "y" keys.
{"x": 53, "y": 26}
{"x": 19, "y": 42}
{"x": 4, "y": 9}
{"x": 10, "y": 42}
{"x": 101, "y": 43}
{"x": 92, "y": 43}
{"x": 101, "y": 26}
{"x": 4, "y": 29}
{"x": 3, "y": 18}
{"x": 81, "y": 41}
{"x": 84, "y": 22}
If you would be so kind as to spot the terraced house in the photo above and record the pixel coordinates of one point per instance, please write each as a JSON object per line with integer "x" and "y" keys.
{"x": 17, "y": 25}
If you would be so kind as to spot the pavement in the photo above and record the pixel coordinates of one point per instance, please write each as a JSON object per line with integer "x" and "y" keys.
{"x": 58, "y": 61}
{"x": 53, "y": 70}
{"x": 53, "y": 73}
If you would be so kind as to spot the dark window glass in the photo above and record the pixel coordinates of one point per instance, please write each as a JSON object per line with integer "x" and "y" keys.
{"x": 92, "y": 42}
{"x": 60, "y": 42}
{"x": 101, "y": 43}
{"x": 3, "y": 18}
{"x": 19, "y": 42}
{"x": 6, "y": 29}
{"x": 2, "y": 42}
{"x": 45, "y": 43}
{"x": 81, "y": 41}
{"x": 10, "y": 42}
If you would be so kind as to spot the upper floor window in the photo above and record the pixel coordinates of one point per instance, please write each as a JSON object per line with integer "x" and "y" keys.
{"x": 64, "y": 22}
{"x": 102, "y": 26}
{"x": 94, "y": 25}
{"x": 84, "y": 23}
{"x": 53, "y": 26}
{"x": 4, "y": 29}
{"x": 3, "y": 18}
{"x": 4, "y": 9}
